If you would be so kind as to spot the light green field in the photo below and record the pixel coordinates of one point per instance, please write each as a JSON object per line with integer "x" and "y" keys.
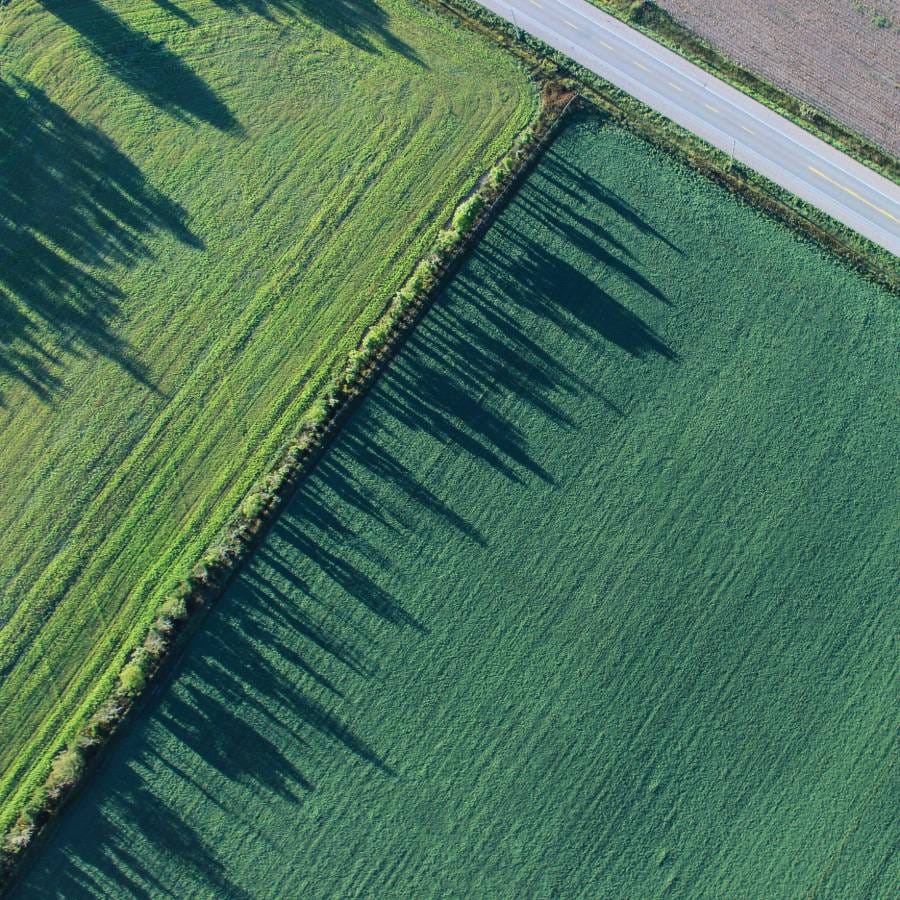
{"x": 202, "y": 206}
{"x": 595, "y": 595}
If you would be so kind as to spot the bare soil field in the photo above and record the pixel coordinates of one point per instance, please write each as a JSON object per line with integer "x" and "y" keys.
{"x": 842, "y": 56}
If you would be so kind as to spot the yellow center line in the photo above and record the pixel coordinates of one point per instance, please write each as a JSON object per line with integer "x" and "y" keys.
{"x": 748, "y": 130}
{"x": 640, "y": 65}
{"x": 677, "y": 87}
{"x": 710, "y": 107}
{"x": 853, "y": 194}
{"x": 570, "y": 24}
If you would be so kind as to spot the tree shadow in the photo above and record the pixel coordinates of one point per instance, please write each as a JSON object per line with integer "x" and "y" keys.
{"x": 362, "y": 23}
{"x": 575, "y": 182}
{"x": 142, "y": 64}
{"x": 119, "y": 859}
{"x": 71, "y": 205}
{"x": 471, "y": 350}
{"x": 589, "y": 236}
{"x": 249, "y": 704}
{"x": 266, "y": 683}
{"x": 541, "y": 278}
{"x": 175, "y": 10}
{"x": 160, "y": 75}
{"x": 232, "y": 691}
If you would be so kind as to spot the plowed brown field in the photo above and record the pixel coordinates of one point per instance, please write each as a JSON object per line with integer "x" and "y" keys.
{"x": 839, "y": 55}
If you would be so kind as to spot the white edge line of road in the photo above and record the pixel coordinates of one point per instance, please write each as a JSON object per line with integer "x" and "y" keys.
{"x": 807, "y": 184}
{"x": 661, "y": 59}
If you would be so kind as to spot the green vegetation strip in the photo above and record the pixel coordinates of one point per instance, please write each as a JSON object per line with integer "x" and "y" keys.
{"x": 593, "y": 596}
{"x": 184, "y": 609}
{"x": 203, "y": 208}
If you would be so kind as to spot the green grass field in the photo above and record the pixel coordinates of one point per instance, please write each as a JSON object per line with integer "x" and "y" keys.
{"x": 203, "y": 204}
{"x": 593, "y": 596}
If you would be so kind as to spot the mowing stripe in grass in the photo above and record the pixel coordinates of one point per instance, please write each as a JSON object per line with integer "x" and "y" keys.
{"x": 592, "y": 597}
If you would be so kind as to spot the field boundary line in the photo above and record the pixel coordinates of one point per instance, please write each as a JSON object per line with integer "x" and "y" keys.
{"x": 183, "y": 612}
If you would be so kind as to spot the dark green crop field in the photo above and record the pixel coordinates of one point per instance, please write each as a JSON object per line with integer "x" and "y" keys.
{"x": 203, "y": 205}
{"x": 595, "y": 595}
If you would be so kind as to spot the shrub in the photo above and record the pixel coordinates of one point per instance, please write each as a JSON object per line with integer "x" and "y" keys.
{"x": 253, "y": 505}
{"x": 132, "y": 679}
{"x": 18, "y": 839}
{"x": 134, "y": 676}
{"x": 467, "y": 213}
{"x": 65, "y": 771}
{"x": 175, "y": 608}
{"x": 317, "y": 412}
{"x": 213, "y": 558}
{"x": 154, "y": 643}
{"x": 637, "y": 9}
{"x": 446, "y": 239}
{"x": 102, "y": 721}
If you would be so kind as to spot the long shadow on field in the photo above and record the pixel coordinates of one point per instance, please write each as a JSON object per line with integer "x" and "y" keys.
{"x": 474, "y": 351}
{"x": 362, "y": 23}
{"x": 71, "y": 205}
{"x": 251, "y": 709}
{"x": 258, "y": 660}
{"x": 577, "y": 184}
{"x": 235, "y": 695}
{"x": 267, "y": 701}
{"x": 120, "y": 853}
{"x": 174, "y": 9}
{"x": 454, "y": 374}
{"x": 144, "y": 65}
{"x": 591, "y": 311}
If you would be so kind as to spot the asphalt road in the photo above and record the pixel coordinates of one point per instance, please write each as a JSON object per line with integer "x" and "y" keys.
{"x": 726, "y": 118}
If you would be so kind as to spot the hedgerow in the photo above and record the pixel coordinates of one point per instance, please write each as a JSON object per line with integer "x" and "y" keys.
{"x": 199, "y": 320}
{"x": 180, "y": 612}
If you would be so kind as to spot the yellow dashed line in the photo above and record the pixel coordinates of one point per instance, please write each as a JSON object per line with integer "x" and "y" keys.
{"x": 672, "y": 84}
{"x": 710, "y": 107}
{"x": 608, "y": 46}
{"x": 570, "y": 24}
{"x": 640, "y": 65}
{"x": 535, "y": 3}
{"x": 748, "y": 130}
{"x": 853, "y": 194}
